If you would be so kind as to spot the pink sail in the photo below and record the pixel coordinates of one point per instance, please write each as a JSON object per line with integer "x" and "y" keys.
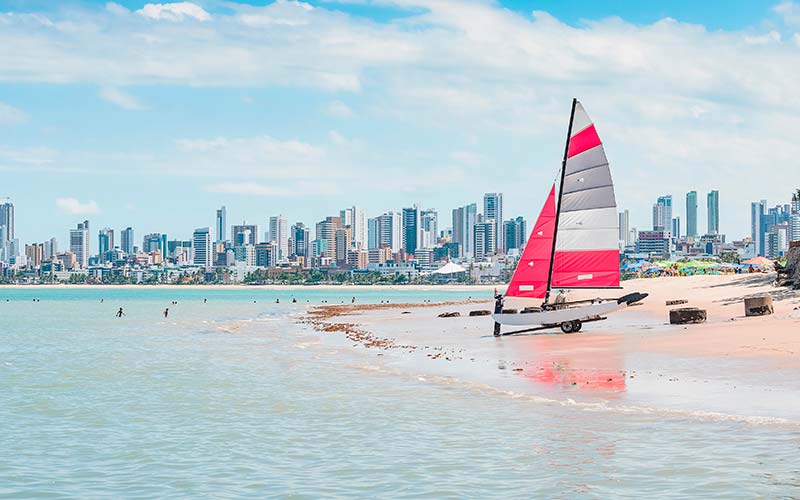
{"x": 587, "y": 238}
{"x": 530, "y": 278}
{"x": 585, "y": 241}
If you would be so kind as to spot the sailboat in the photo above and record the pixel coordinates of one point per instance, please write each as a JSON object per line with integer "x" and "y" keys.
{"x": 574, "y": 243}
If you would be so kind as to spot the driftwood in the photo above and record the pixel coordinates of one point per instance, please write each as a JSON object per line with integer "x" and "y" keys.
{"x": 687, "y": 315}
{"x": 480, "y": 313}
{"x": 455, "y": 314}
{"x": 677, "y": 302}
{"x": 758, "y": 306}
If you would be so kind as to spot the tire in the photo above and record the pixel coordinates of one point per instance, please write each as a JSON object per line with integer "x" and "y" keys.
{"x": 578, "y": 325}
{"x": 568, "y": 327}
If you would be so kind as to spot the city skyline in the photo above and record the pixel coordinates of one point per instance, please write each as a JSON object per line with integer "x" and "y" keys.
{"x": 410, "y": 119}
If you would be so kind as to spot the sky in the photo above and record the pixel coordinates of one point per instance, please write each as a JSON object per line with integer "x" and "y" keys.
{"x": 152, "y": 115}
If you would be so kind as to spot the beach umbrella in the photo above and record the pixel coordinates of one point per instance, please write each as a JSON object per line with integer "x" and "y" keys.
{"x": 759, "y": 261}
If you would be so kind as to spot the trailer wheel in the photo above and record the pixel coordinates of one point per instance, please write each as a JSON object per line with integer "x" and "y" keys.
{"x": 568, "y": 326}
{"x": 578, "y": 325}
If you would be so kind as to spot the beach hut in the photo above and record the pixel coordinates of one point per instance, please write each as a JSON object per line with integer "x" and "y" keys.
{"x": 448, "y": 272}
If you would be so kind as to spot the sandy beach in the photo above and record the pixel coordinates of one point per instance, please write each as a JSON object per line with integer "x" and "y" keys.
{"x": 731, "y": 365}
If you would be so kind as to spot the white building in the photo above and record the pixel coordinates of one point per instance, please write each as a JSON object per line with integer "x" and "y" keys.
{"x": 79, "y": 244}
{"x": 279, "y": 233}
{"x": 201, "y": 245}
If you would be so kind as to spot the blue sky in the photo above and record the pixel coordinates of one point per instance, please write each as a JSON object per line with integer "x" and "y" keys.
{"x": 152, "y": 115}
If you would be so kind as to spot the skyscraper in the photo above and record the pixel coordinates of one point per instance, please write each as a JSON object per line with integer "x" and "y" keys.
{"x": 7, "y": 219}
{"x": 493, "y": 210}
{"x": 201, "y": 243}
{"x": 300, "y": 241}
{"x": 411, "y": 229}
{"x": 514, "y": 232}
{"x": 662, "y": 213}
{"x": 757, "y": 212}
{"x": 244, "y": 234}
{"x": 326, "y": 231}
{"x": 356, "y": 218}
{"x": 155, "y": 242}
{"x": 127, "y": 240}
{"x": 691, "y": 214}
{"x": 713, "y": 212}
{"x": 279, "y": 233}
{"x": 485, "y": 237}
{"x": 429, "y": 228}
{"x": 220, "y": 224}
{"x": 676, "y": 228}
{"x": 464, "y": 219}
{"x": 625, "y": 229}
{"x": 388, "y": 231}
{"x": 105, "y": 240}
{"x": 79, "y": 244}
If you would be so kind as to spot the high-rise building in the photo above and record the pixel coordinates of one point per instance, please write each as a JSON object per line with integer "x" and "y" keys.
{"x": 155, "y": 242}
{"x": 464, "y": 220}
{"x": 493, "y": 210}
{"x": 412, "y": 226}
{"x": 220, "y": 224}
{"x": 429, "y": 228}
{"x": 691, "y": 214}
{"x": 625, "y": 229}
{"x": 127, "y": 240}
{"x": 7, "y": 219}
{"x": 201, "y": 243}
{"x": 676, "y": 228}
{"x": 356, "y": 218}
{"x": 343, "y": 241}
{"x": 279, "y": 233}
{"x": 514, "y": 233}
{"x": 105, "y": 243}
{"x": 244, "y": 234}
{"x": 50, "y": 248}
{"x": 326, "y": 231}
{"x": 385, "y": 231}
{"x": 757, "y": 212}
{"x": 485, "y": 237}
{"x": 266, "y": 254}
{"x": 713, "y": 212}
{"x": 300, "y": 240}
{"x": 662, "y": 213}
{"x": 79, "y": 244}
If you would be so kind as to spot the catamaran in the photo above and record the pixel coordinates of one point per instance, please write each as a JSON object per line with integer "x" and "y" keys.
{"x": 574, "y": 243}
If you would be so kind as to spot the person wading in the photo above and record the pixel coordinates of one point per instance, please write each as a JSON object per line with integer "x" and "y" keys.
{"x": 498, "y": 309}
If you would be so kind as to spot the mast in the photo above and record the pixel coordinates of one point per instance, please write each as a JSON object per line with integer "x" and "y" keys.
{"x": 558, "y": 205}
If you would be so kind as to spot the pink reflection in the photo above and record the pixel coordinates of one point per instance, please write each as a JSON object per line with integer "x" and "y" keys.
{"x": 580, "y": 361}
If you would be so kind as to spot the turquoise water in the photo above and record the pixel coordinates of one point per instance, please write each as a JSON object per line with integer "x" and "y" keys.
{"x": 233, "y": 399}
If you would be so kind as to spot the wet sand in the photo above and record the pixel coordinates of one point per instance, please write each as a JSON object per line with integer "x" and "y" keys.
{"x": 731, "y": 366}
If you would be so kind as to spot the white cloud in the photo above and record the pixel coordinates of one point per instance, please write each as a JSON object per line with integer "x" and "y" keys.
{"x": 338, "y": 109}
{"x": 117, "y": 9}
{"x": 789, "y": 12}
{"x": 11, "y": 115}
{"x": 120, "y": 98}
{"x": 75, "y": 207}
{"x": 765, "y": 39}
{"x": 32, "y": 156}
{"x": 175, "y": 11}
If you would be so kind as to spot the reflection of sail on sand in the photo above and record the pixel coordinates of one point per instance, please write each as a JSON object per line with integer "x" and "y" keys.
{"x": 558, "y": 363}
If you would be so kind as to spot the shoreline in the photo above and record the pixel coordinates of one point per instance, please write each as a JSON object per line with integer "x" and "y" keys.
{"x": 464, "y": 288}
{"x": 730, "y": 365}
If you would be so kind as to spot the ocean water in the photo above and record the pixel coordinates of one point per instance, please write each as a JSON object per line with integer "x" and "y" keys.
{"x": 233, "y": 399}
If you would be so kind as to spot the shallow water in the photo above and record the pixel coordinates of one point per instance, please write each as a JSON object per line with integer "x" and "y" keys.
{"x": 233, "y": 399}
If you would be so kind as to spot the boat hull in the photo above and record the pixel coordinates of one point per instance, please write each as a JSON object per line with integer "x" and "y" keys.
{"x": 558, "y": 316}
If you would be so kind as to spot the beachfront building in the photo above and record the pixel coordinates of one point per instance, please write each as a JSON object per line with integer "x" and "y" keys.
{"x": 155, "y": 242}
{"x": 662, "y": 213}
{"x": 326, "y": 231}
{"x": 514, "y": 233}
{"x": 464, "y": 220}
{"x": 301, "y": 241}
{"x": 655, "y": 243}
{"x": 412, "y": 226}
{"x": 201, "y": 245}
{"x": 429, "y": 228}
{"x": 79, "y": 244}
{"x": 493, "y": 210}
{"x": 713, "y": 212}
{"x": 691, "y": 214}
{"x": 279, "y": 233}
{"x": 126, "y": 240}
{"x": 356, "y": 218}
{"x": 244, "y": 234}
{"x": 485, "y": 237}
{"x": 220, "y": 224}
{"x": 757, "y": 212}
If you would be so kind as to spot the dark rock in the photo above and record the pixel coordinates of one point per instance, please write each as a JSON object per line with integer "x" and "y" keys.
{"x": 758, "y": 306}
{"x": 480, "y": 313}
{"x": 687, "y": 315}
{"x": 677, "y": 302}
{"x": 455, "y": 314}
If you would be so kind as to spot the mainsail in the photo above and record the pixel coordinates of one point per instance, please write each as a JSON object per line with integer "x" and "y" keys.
{"x": 581, "y": 234}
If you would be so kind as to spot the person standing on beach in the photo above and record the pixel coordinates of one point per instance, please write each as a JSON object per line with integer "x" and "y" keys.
{"x": 166, "y": 312}
{"x": 498, "y": 309}
{"x": 120, "y": 313}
